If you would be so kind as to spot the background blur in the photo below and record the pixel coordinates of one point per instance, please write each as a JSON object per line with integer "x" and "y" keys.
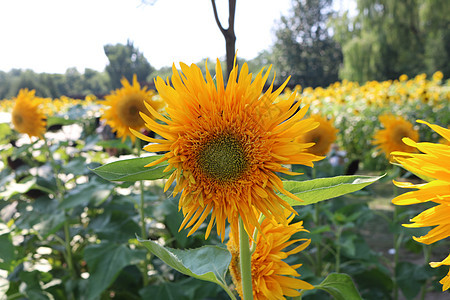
{"x": 76, "y": 48}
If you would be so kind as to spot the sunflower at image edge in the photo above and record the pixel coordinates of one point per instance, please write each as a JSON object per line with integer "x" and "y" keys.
{"x": 390, "y": 138}
{"x": 323, "y": 136}
{"x": 124, "y": 106}
{"x": 272, "y": 278}
{"x": 433, "y": 163}
{"x": 28, "y": 115}
{"x": 226, "y": 144}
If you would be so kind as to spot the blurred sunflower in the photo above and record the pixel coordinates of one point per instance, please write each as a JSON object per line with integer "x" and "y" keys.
{"x": 27, "y": 114}
{"x": 433, "y": 163}
{"x": 271, "y": 276}
{"x": 125, "y": 105}
{"x": 390, "y": 138}
{"x": 226, "y": 145}
{"x": 322, "y": 136}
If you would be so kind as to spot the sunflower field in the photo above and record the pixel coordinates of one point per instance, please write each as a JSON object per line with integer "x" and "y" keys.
{"x": 206, "y": 190}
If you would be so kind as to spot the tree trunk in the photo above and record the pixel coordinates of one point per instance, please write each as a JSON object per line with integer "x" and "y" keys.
{"x": 229, "y": 35}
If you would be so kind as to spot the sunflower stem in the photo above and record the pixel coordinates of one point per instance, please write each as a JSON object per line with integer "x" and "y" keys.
{"x": 59, "y": 195}
{"x": 426, "y": 256}
{"x": 397, "y": 242}
{"x": 317, "y": 224}
{"x": 338, "y": 249}
{"x": 246, "y": 262}
{"x": 142, "y": 217}
{"x": 227, "y": 290}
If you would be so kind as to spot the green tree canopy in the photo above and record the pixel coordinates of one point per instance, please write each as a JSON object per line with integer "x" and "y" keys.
{"x": 72, "y": 83}
{"x": 388, "y": 38}
{"x": 124, "y": 61}
{"x": 304, "y": 47}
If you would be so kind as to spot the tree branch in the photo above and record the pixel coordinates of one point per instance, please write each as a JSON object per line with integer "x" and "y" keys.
{"x": 216, "y": 16}
{"x": 232, "y": 12}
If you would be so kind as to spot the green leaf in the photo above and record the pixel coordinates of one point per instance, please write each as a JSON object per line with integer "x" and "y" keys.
{"x": 115, "y": 143}
{"x": 50, "y": 223}
{"x": 184, "y": 289}
{"x": 4, "y": 285}
{"x": 27, "y": 184}
{"x": 55, "y": 120}
{"x": 105, "y": 261}
{"x": 173, "y": 219}
{"x": 76, "y": 166}
{"x": 5, "y": 129}
{"x": 209, "y": 263}
{"x": 17, "y": 188}
{"x": 407, "y": 280}
{"x": 84, "y": 194}
{"x": 340, "y": 286}
{"x": 7, "y": 255}
{"x": 133, "y": 169}
{"x": 316, "y": 190}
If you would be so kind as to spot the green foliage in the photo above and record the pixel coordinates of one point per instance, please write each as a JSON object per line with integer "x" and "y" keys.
{"x": 45, "y": 217}
{"x": 185, "y": 289}
{"x": 340, "y": 286}
{"x": 72, "y": 83}
{"x": 105, "y": 261}
{"x": 209, "y": 263}
{"x": 388, "y": 38}
{"x": 316, "y": 190}
{"x": 124, "y": 61}
{"x": 7, "y": 255}
{"x": 133, "y": 169}
{"x": 304, "y": 48}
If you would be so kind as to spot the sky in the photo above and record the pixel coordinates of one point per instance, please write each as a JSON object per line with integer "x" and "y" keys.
{"x": 53, "y": 35}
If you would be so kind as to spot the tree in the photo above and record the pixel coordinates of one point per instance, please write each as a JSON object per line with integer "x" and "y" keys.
{"x": 229, "y": 35}
{"x": 95, "y": 82}
{"x": 30, "y": 80}
{"x": 435, "y": 16}
{"x": 388, "y": 38}
{"x": 124, "y": 61}
{"x": 304, "y": 47}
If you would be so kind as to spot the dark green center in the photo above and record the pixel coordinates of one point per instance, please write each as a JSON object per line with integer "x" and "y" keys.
{"x": 223, "y": 158}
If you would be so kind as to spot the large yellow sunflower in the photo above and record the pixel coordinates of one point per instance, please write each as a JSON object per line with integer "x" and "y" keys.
{"x": 226, "y": 145}
{"x": 271, "y": 276}
{"x": 434, "y": 163}
{"x": 27, "y": 114}
{"x": 125, "y": 105}
{"x": 390, "y": 138}
{"x": 322, "y": 136}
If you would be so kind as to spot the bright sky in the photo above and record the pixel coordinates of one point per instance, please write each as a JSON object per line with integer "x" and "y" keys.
{"x": 53, "y": 35}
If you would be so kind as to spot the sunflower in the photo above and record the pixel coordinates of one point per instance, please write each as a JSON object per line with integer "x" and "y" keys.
{"x": 433, "y": 163}
{"x": 27, "y": 114}
{"x": 271, "y": 276}
{"x": 226, "y": 145}
{"x": 390, "y": 138}
{"x": 125, "y": 105}
{"x": 322, "y": 136}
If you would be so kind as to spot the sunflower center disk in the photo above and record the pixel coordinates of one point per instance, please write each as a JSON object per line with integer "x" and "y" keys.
{"x": 18, "y": 119}
{"x": 316, "y": 139}
{"x": 400, "y": 133}
{"x": 223, "y": 159}
{"x": 128, "y": 111}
